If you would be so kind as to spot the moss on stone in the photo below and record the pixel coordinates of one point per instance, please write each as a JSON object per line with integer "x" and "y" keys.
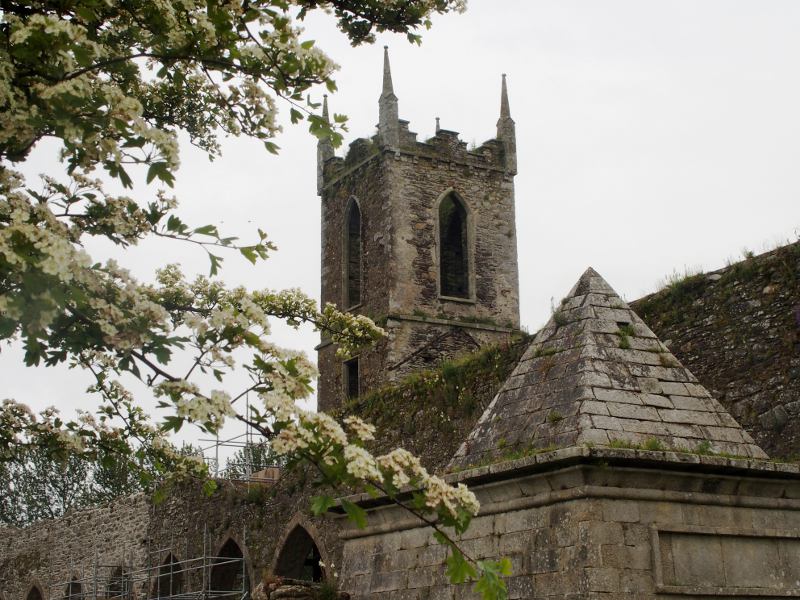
{"x": 431, "y": 412}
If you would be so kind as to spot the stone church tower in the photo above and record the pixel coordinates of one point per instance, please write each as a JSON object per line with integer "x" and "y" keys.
{"x": 419, "y": 236}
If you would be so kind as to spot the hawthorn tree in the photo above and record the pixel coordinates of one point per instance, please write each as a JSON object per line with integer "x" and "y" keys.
{"x": 114, "y": 81}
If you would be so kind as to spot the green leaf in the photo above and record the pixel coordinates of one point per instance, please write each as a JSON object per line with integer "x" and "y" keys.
{"x": 249, "y": 253}
{"x": 490, "y": 585}
{"x": 357, "y": 514}
{"x": 162, "y": 354}
{"x": 209, "y": 487}
{"x": 271, "y": 147}
{"x": 321, "y": 504}
{"x": 459, "y": 569}
{"x": 207, "y": 230}
{"x": 153, "y": 171}
{"x": 295, "y": 115}
{"x": 174, "y": 223}
{"x": 216, "y": 262}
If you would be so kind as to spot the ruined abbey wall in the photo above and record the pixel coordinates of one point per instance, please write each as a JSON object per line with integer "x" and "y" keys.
{"x": 135, "y": 533}
{"x": 738, "y": 330}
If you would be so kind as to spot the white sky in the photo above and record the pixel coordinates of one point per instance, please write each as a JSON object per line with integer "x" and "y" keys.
{"x": 651, "y": 136}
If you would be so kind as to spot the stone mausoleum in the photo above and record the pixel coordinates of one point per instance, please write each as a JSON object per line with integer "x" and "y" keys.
{"x": 614, "y": 457}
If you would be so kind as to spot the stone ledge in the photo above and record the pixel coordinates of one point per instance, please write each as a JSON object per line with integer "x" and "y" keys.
{"x": 452, "y": 323}
{"x": 626, "y": 461}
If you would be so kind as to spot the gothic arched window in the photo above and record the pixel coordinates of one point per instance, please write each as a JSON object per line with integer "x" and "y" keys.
{"x": 300, "y": 558}
{"x": 352, "y": 258}
{"x": 229, "y": 573}
{"x": 453, "y": 248}
{"x": 170, "y": 579}
{"x": 35, "y": 594}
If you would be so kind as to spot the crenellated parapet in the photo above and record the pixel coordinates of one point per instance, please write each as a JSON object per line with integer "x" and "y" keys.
{"x": 394, "y": 137}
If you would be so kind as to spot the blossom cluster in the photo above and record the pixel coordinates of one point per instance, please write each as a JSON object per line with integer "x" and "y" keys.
{"x": 319, "y": 438}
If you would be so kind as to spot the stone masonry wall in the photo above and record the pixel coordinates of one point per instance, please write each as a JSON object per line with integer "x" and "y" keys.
{"x": 738, "y": 330}
{"x": 52, "y": 552}
{"x": 136, "y": 533}
{"x": 398, "y": 191}
{"x": 599, "y": 531}
{"x": 366, "y": 183}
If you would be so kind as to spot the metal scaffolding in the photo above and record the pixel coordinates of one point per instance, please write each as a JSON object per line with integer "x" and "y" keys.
{"x": 246, "y": 468}
{"x": 207, "y": 577}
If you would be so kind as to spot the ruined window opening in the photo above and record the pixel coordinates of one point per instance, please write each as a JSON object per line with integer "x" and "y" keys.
{"x": 119, "y": 585}
{"x": 229, "y": 573}
{"x": 73, "y": 590}
{"x": 351, "y": 378}
{"x": 300, "y": 557}
{"x": 170, "y": 579}
{"x": 34, "y": 594}
{"x": 352, "y": 255}
{"x": 453, "y": 248}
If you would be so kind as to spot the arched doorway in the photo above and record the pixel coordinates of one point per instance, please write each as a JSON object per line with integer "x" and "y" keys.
{"x": 170, "y": 579}
{"x": 229, "y": 574}
{"x": 300, "y": 557}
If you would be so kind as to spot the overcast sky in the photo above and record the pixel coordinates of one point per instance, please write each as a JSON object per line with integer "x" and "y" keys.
{"x": 651, "y": 136}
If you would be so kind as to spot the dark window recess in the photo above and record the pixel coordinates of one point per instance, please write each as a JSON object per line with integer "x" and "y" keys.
{"x": 351, "y": 378}
{"x": 73, "y": 591}
{"x": 119, "y": 584}
{"x": 353, "y": 256}
{"x": 300, "y": 558}
{"x": 453, "y": 257}
{"x": 34, "y": 594}
{"x": 170, "y": 579}
{"x": 228, "y": 578}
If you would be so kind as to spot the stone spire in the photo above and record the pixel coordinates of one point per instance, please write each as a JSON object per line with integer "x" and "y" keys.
{"x": 506, "y": 132}
{"x": 388, "y": 120}
{"x": 324, "y": 150}
{"x": 597, "y": 375}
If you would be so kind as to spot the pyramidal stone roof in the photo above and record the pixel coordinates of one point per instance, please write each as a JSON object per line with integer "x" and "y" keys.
{"x": 596, "y": 375}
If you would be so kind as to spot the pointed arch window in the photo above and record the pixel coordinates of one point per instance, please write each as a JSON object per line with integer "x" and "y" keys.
{"x": 352, "y": 251}
{"x": 35, "y": 594}
{"x": 300, "y": 557}
{"x": 453, "y": 248}
{"x": 229, "y": 574}
{"x": 170, "y": 579}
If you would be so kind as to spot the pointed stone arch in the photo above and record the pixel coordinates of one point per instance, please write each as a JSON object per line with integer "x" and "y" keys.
{"x": 230, "y": 575}
{"x": 299, "y": 547}
{"x": 35, "y": 592}
{"x": 170, "y": 580}
{"x": 300, "y": 554}
{"x": 454, "y": 246}
{"x": 352, "y": 255}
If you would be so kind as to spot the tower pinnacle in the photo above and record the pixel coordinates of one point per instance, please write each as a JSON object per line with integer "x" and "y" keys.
{"x": 388, "y": 119}
{"x": 505, "y": 111}
{"x": 324, "y": 149}
{"x": 506, "y": 131}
